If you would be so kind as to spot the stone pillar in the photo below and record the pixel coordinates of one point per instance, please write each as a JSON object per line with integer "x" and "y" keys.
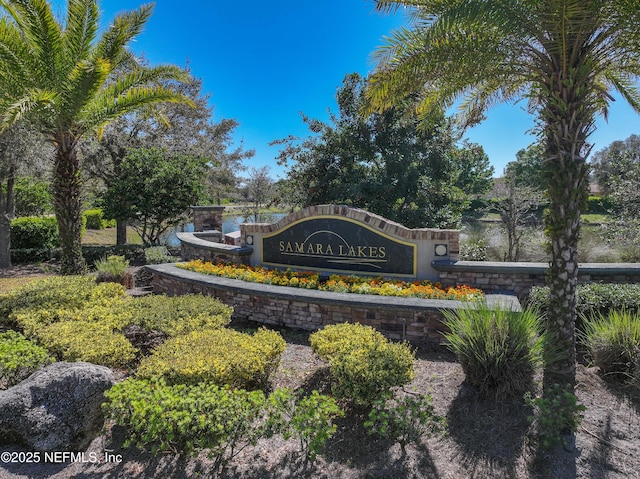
{"x": 207, "y": 218}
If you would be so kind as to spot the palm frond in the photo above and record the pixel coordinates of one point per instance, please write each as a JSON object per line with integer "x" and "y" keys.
{"x": 22, "y": 107}
{"x": 106, "y": 108}
{"x": 628, "y": 89}
{"x": 125, "y": 27}
{"x": 16, "y": 58}
{"x": 42, "y": 33}
{"x": 80, "y": 31}
{"x": 85, "y": 81}
{"x": 144, "y": 77}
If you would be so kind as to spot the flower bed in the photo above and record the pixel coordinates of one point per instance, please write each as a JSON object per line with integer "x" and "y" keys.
{"x": 336, "y": 283}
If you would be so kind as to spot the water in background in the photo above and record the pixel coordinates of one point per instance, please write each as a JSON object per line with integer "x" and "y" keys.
{"x": 230, "y": 223}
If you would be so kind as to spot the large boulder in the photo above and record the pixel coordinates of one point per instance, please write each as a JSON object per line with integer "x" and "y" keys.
{"x": 57, "y": 408}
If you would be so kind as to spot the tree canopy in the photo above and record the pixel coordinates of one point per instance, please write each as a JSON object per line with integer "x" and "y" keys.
{"x": 154, "y": 190}
{"x": 385, "y": 164}
{"x": 611, "y": 164}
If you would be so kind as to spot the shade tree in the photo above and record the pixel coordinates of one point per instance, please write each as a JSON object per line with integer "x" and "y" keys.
{"x": 385, "y": 163}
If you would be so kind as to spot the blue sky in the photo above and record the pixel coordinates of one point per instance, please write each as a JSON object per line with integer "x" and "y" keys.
{"x": 264, "y": 62}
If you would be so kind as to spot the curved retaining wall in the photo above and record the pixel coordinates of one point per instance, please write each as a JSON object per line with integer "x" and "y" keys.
{"x": 413, "y": 319}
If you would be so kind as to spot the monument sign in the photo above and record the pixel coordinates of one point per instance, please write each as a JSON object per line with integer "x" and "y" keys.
{"x": 343, "y": 240}
{"x": 330, "y": 243}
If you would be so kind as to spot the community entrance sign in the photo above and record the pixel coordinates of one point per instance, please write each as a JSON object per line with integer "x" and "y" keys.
{"x": 330, "y": 243}
{"x": 343, "y": 240}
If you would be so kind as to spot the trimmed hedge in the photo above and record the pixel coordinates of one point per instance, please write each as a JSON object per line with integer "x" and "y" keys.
{"x": 186, "y": 418}
{"x": 363, "y": 363}
{"x": 95, "y": 343}
{"x": 95, "y": 220}
{"x": 35, "y": 232}
{"x": 175, "y": 315}
{"x": 58, "y": 292}
{"x": 77, "y": 319}
{"x": 220, "y": 356}
{"x": 593, "y": 298}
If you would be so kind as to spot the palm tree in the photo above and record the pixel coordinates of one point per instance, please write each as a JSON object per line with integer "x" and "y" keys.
{"x": 66, "y": 79}
{"x": 565, "y": 57}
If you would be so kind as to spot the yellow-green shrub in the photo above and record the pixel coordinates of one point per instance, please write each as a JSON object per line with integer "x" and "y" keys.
{"x": 19, "y": 357}
{"x": 56, "y": 292}
{"x": 220, "y": 356}
{"x": 364, "y": 364}
{"x": 339, "y": 338}
{"x": 115, "y": 314}
{"x": 93, "y": 342}
{"x": 175, "y": 315}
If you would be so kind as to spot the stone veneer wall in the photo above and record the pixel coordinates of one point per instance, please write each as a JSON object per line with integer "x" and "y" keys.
{"x": 198, "y": 246}
{"x": 207, "y": 218}
{"x": 519, "y": 278}
{"x": 413, "y": 319}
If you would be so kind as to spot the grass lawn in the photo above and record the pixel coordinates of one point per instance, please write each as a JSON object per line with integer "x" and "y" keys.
{"x": 107, "y": 236}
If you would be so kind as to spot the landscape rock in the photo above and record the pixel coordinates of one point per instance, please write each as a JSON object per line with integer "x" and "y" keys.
{"x": 55, "y": 409}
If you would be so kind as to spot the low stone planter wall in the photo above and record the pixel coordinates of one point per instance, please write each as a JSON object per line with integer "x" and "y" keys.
{"x": 519, "y": 278}
{"x": 412, "y": 319}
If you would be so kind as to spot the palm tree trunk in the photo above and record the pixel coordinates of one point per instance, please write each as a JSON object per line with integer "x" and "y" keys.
{"x": 67, "y": 184}
{"x": 568, "y": 124}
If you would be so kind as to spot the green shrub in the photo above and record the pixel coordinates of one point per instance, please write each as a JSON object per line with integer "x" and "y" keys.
{"x": 593, "y": 298}
{"x": 32, "y": 197}
{"x": 499, "y": 350}
{"x": 475, "y": 250}
{"x": 186, "y": 419}
{"x": 114, "y": 269}
{"x": 364, "y": 365}
{"x": 115, "y": 314}
{"x": 404, "y": 420}
{"x": 336, "y": 339}
{"x": 35, "y": 232}
{"x": 95, "y": 220}
{"x": 93, "y": 342}
{"x": 57, "y": 292}
{"x": 174, "y": 315}
{"x": 220, "y": 356}
{"x": 158, "y": 255}
{"x": 34, "y": 255}
{"x": 613, "y": 342}
{"x": 599, "y": 205}
{"x": 19, "y": 358}
{"x": 309, "y": 419}
{"x": 555, "y": 416}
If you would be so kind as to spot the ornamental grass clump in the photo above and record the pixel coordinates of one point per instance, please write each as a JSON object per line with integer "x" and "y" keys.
{"x": 364, "y": 365}
{"x": 613, "y": 342}
{"x": 219, "y": 356}
{"x": 499, "y": 350}
{"x": 114, "y": 269}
